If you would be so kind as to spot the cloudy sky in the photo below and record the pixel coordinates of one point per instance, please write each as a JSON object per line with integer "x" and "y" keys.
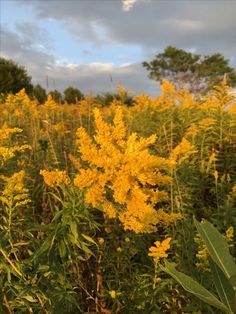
{"x": 94, "y": 44}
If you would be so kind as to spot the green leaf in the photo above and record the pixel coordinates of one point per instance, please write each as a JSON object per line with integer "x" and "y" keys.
{"x": 222, "y": 284}
{"x": 217, "y": 247}
{"x": 47, "y": 244}
{"x": 62, "y": 249}
{"x": 74, "y": 229}
{"x": 57, "y": 216}
{"x": 88, "y": 238}
{"x": 82, "y": 245}
{"x": 194, "y": 287}
{"x": 29, "y": 298}
{"x": 232, "y": 280}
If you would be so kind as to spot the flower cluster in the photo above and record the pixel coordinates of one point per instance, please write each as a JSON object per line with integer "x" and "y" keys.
{"x": 55, "y": 177}
{"x": 7, "y": 150}
{"x": 123, "y": 178}
{"x": 183, "y": 151}
{"x": 14, "y": 193}
{"x": 159, "y": 250}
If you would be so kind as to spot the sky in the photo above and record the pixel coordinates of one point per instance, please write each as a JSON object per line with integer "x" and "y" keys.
{"x": 95, "y": 44}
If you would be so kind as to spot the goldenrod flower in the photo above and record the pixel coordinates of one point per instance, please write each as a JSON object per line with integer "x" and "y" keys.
{"x": 216, "y": 175}
{"x": 183, "y": 151}
{"x": 234, "y": 190}
{"x": 7, "y": 150}
{"x": 202, "y": 254}
{"x": 14, "y": 193}
{"x": 55, "y": 178}
{"x": 123, "y": 166}
{"x": 101, "y": 241}
{"x": 159, "y": 250}
{"x": 112, "y": 294}
{"x": 229, "y": 235}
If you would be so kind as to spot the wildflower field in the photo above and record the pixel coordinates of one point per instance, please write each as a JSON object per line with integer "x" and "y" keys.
{"x": 100, "y": 205}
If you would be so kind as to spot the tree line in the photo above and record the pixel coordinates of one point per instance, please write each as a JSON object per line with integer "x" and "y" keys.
{"x": 14, "y": 77}
{"x": 197, "y": 73}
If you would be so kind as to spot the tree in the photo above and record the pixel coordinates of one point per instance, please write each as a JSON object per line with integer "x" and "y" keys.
{"x": 185, "y": 69}
{"x": 13, "y": 77}
{"x": 105, "y": 99}
{"x": 40, "y": 93}
{"x": 72, "y": 95}
{"x": 56, "y": 96}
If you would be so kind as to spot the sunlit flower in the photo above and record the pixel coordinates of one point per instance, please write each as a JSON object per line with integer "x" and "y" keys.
{"x": 159, "y": 250}
{"x": 101, "y": 241}
{"x": 122, "y": 167}
{"x": 55, "y": 177}
{"x": 112, "y": 294}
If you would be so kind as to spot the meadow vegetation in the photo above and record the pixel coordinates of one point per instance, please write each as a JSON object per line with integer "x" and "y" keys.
{"x": 97, "y": 202}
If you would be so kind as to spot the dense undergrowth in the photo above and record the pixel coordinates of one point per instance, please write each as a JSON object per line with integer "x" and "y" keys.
{"x": 94, "y": 198}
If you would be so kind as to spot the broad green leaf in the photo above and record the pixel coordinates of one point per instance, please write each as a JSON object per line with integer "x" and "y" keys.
{"x": 232, "y": 280}
{"x": 194, "y": 287}
{"x": 222, "y": 284}
{"x": 217, "y": 247}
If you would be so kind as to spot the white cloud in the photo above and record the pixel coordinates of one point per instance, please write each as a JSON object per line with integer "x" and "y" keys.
{"x": 190, "y": 25}
{"x": 98, "y": 66}
{"x": 128, "y": 4}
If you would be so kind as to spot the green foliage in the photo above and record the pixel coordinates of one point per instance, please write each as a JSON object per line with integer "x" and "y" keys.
{"x": 185, "y": 69}
{"x": 47, "y": 276}
{"x": 60, "y": 255}
{"x": 72, "y": 95}
{"x": 106, "y": 99}
{"x": 13, "y": 77}
{"x": 40, "y": 93}
{"x": 56, "y": 96}
{"x": 223, "y": 270}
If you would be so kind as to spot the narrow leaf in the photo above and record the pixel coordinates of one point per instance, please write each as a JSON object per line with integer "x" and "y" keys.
{"x": 74, "y": 229}
{"x": 88, "y": 238}
{"x": 45, "y": 246}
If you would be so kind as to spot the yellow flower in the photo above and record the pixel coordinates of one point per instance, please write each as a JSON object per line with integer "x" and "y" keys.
{"x": 159, "y": 250}
{"x": 216, "y": 175}
{"x": 202, "y": 254}
{"x": 101, "y": 241}
{"x": 55, "y": 178}
{"x": 14, "y": 193}
{"x": 119, "y": 249}
{"x": 7, "y": 150}
{"x": 206, "y": 123}
{"x": 108, "y": 230}
{"x": 234, "y": 190}
{"x": 122, "y": 167}
{"x": 112, "y": 294}
{"x": 127, "y": 240}
{"x": 192, "y": 130}
{"x": 229, "y": 235}
{"x": 183, "y": 151}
